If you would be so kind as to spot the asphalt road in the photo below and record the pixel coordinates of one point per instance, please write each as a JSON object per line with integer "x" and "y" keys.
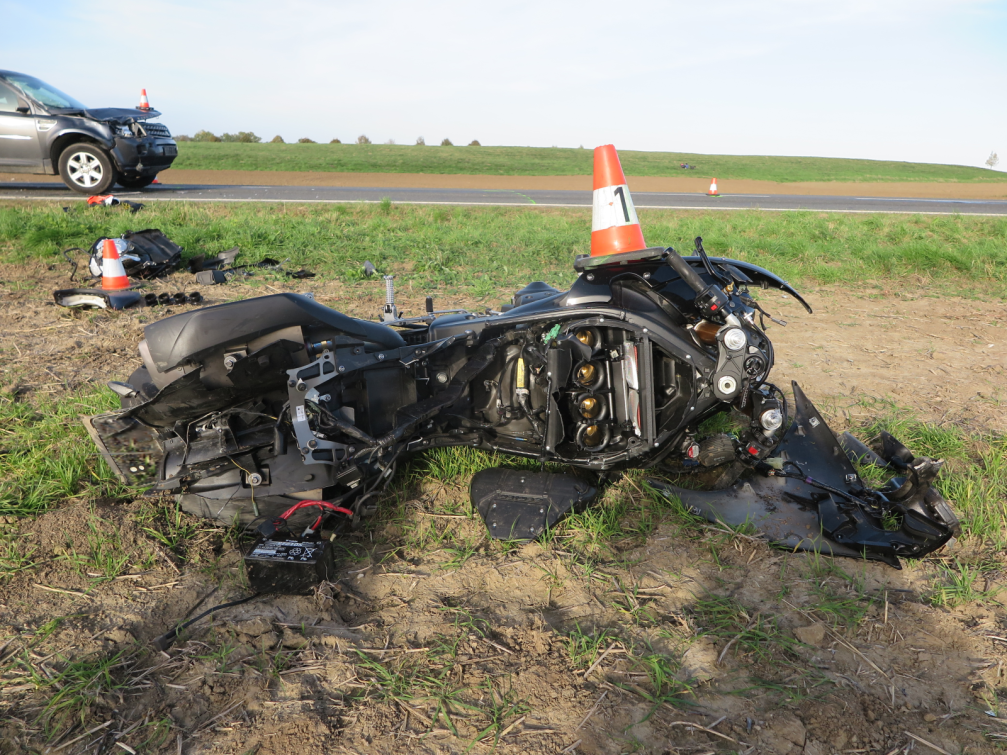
{"x": 643, "y": 200}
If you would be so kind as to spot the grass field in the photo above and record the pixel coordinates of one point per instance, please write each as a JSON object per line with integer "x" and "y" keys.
{"x": 538, "y": 161}
{"x": 591, "y": 634}
{"x": 479, "y": 250}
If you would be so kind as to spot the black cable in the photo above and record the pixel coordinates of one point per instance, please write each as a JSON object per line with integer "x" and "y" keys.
{"x": 71, "y": 260}
{"x": 167, "y": 639}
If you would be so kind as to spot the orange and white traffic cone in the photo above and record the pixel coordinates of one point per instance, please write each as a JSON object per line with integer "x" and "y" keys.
{"x": 113, "y": 274}
{"x": 713, "y": 189}
{"x": 144, "y": 103}
{"x": 615, "y": 227}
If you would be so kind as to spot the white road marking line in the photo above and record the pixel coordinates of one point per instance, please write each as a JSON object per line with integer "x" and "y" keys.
{"x": 536, "y": 204}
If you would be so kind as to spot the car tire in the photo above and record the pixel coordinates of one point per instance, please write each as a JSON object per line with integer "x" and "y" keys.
{"x": 87, "y": 169}
{"x": 136, "y": 183}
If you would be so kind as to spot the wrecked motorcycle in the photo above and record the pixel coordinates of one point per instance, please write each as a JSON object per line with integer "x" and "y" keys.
{"x": 245, "y": 409}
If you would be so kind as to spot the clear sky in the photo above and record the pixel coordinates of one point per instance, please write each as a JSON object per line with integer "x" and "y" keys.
{"x": 919, "y": 80}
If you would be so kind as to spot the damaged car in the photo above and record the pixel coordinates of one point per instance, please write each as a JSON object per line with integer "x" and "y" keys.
{"x": 46, "y": 132}
{"x": 253, "y": 409}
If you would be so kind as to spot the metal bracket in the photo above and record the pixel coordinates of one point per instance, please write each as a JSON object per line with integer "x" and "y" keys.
{"x": 301, "y": 389}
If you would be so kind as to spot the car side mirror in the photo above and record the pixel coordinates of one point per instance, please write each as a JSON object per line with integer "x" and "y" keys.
{"x": 22, "y": 107}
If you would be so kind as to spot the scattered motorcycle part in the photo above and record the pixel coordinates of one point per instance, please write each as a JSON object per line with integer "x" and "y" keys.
{"x": 96, "y": 298}
{"x": 144, "y": 254}
{"x": 281, "y": 562}
{"x": 289, "y": 566}
{"x": 223, "y": 259}
{"x": 210, "y": 277}
{"x": 521, "y": 505}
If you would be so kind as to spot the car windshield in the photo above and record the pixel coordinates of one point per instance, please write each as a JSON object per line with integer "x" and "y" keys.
{"x": 39, "y": 91}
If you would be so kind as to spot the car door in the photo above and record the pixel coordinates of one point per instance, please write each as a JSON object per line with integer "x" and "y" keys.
{"x": 19, "y": 139}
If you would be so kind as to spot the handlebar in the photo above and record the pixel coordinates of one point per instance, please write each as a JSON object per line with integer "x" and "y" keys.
{"x": 685, "y": 271}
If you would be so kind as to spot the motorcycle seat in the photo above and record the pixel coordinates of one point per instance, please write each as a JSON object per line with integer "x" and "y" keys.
{"x": 189, "y": 336}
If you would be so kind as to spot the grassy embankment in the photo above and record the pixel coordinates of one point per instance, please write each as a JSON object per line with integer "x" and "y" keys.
{"x": 539, "y": 161}
{"x": 479, "y": 251}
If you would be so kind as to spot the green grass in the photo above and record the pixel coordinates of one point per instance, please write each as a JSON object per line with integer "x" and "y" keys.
{"x": 480, "y": 250}
{"x": 76, "y": 688}
{"x": 46, "y": 455}
{"x": 538, "y": 161}
{"x": 756, "y": 635}
{"x": 840, "y": 597}
{"x": 958, "y": 583}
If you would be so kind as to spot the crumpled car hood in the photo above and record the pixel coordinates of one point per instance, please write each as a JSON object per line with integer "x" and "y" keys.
{"x": 116, "y": 114}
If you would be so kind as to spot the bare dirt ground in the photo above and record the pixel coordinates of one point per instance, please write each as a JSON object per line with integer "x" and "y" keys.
{"x": 484, "y": 633}
{"x": 694, "y": 185}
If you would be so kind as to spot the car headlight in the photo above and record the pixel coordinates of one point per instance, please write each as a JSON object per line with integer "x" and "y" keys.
{"x": 124, "y": 131}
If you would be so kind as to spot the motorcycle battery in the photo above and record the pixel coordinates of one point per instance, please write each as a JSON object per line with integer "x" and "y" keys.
{"x": 289, "y": 566}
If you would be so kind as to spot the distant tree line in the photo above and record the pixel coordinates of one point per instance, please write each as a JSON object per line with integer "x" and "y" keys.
{"x": 247, "y": 137}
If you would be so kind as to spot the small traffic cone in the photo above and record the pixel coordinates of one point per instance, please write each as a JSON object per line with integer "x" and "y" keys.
{"x": 615, "y": 227}
{"x": 144, "y": 103}
{"x": 113, "y": 274}
{"x": 713, "y": 189}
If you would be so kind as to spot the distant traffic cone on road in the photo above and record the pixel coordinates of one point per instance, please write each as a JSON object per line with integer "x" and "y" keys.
{"x": 113, "y": 274}
{"x": 713, "y": 189}
{"x": 615, "y": 227}
{"x": 144, "y": 103}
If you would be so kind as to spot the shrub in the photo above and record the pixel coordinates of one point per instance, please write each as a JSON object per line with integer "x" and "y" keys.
{"x": 306, "y": 140}
{"x": 182, "y": 138}
{"x": 335, "y": 141}
{"x": 244, "y": 137}
{"x": 390, "y": 141}
{"x": 363, "y": 140}
{"x": 420, "y": 141}
{"x": 446, "y": 143}
{"x": 205, "y": 136}
{"x": 277, "y": 140}
{"x": 475, "y": 143}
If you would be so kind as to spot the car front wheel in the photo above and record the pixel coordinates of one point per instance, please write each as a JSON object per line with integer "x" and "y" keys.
{"x": 86, "y": 169}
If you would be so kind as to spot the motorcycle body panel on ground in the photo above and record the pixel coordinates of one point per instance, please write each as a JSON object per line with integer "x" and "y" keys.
{"x": 245, "y": 407}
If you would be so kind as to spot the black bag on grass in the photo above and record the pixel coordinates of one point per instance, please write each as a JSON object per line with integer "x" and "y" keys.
{"x": 144, "y": 254}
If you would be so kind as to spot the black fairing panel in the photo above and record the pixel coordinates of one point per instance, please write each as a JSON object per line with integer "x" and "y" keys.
{"x": 801, "y": 516}
{"x": 192, "y": 335}
{"x": 758, "y": 275}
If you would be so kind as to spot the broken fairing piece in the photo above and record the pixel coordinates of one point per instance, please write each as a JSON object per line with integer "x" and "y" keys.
{"x": 521, "y": 505}
{"x": 223, "y": 259}
{"x": 809, "y": 497}
{"x": 96, "y": 298}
